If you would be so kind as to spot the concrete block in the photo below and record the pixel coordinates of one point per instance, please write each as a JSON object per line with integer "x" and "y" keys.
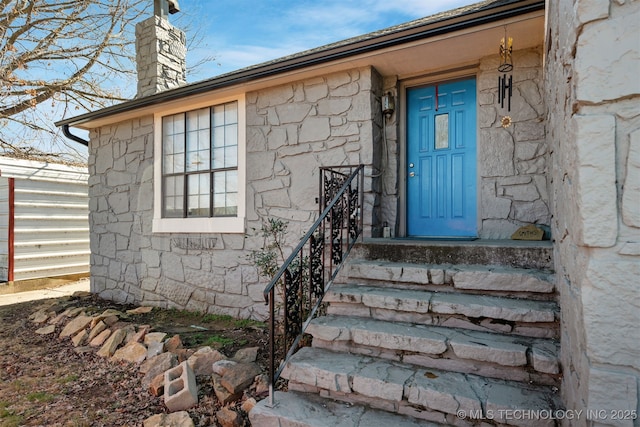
{"x": 180, "y": 388}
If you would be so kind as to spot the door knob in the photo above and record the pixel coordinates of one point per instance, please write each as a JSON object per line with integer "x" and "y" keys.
{"x": 410, "y": 165}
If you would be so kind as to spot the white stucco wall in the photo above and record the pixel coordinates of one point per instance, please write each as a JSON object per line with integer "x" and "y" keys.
{"x": 593, "y": 95}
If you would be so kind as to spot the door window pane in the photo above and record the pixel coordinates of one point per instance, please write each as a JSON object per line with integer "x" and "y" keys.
{"x": 442, "y": 131}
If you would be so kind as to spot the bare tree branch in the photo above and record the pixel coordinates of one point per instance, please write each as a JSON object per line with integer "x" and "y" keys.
{"x": 65, "y": 56}
{"x": 61, "y": 52}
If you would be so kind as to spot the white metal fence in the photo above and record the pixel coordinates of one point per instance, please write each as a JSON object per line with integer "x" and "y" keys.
{"x": 44, "y": 227}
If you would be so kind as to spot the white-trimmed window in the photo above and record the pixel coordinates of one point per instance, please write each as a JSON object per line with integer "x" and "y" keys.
{"x": 199, "y": 169}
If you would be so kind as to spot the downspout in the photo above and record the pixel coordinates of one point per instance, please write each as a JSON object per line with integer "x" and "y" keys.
{"x": 68, "y": 134}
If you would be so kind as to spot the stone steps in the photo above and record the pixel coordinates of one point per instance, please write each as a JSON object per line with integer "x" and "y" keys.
{"x": 428, "y": 394}
{"x": 294, "y": 409}
{"x": 492, "y": 355}
{"x": 473, "y": 279}
{"x": 456, "y": 333}
{"x": 475, "y": 312}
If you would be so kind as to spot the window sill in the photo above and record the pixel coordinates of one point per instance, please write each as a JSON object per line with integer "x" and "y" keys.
{"x": 198, "y": 225}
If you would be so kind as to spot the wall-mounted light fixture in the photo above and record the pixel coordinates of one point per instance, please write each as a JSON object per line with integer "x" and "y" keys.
{"x": 388, "y": 104}
{"x": 505, "y": 85}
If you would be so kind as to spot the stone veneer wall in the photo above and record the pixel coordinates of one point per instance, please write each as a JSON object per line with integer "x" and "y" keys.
{"x": 593, "y": 96}
{"x": 291, "y": 131}
{"x": 512, "y": 161}
{"x": 161, "y": 51}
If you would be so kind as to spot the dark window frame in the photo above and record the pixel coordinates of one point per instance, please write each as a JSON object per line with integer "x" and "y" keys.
{"x": 210, "y": 171}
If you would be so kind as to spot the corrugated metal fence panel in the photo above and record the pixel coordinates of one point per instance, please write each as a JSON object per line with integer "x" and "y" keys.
{"x": 4, "y": 229}
{"x": 51, "y": 220}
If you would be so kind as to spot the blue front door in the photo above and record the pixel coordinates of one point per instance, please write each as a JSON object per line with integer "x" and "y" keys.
{"x": 441, "y": 160}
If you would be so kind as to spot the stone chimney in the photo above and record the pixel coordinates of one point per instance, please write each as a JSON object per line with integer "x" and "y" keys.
{"x": 161, "y": 51}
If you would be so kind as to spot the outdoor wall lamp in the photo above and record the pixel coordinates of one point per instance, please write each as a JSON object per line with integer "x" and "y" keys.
{"x": 388, "y": 104}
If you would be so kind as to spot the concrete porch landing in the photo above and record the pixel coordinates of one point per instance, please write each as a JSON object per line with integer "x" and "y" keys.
{"x": 507, "y": 253}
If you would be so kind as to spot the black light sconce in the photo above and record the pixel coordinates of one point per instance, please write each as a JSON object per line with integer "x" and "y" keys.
{"x": 505, "y": 83}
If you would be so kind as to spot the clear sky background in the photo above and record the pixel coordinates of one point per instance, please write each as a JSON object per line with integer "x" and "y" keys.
{"x": 240, "y": 33}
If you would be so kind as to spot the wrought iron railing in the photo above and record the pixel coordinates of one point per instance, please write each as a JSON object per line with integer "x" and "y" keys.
{"x": 296, "y": 291}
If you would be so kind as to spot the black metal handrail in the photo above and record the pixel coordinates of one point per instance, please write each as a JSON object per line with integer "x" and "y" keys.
{"x": 308, "y": 273}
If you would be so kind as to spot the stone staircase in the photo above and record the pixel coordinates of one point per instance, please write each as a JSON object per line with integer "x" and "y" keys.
{"x": 425, "y": 333}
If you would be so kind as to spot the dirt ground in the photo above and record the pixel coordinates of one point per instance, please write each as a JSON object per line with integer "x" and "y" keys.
{"x": 45, "y": 382}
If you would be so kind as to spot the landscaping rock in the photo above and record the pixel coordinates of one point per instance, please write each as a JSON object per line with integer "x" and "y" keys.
{"x": 156, "y": 388}
{"x": 261, "y": 384}
{"x": 154, "y": 348}
{"x": 110, "y": 314}
{"x": 249, "y": 404}
{"x": 75, "y": 326}
{"x": 99, "y": 340}
{"x": 176, "y": 419}
{"x": 140, "y": 310}
{"x": 134, "y": 352}
{"x": 240, "y": 376}
{"x": 81, "y": 294}
{"x": 229, "y": 418}
{"x": 111, "y": 320}
{"x": 40, "y": 316}
{"x": 222, "y": 366}
{"x": 156, "y": 366}
{"x": 246, "y": 355}
{"x": 46, "y": 330}
{"x": 112, "y": 343}
{"x": 202, "y": 360}
{"x": 154, "y": 337}
{"x": 139, "y": 336}
{"x": 96, "y": 330}
{"x": 161, "y": 362}
{"x": 57, "y": 319}
{"x": 174, "y": 343}
{"x": 73, "y": 312}
{"x": 79, "y": 338}
{"x": 183, "y": 354}
{"x": 129, "y": 328}
{"x": 223, "y": 395}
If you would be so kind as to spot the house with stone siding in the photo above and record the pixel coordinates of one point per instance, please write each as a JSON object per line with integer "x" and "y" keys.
{"x": 457, "y": 150}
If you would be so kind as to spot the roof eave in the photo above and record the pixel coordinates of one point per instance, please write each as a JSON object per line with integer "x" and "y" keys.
{"x": 316, "y": 57}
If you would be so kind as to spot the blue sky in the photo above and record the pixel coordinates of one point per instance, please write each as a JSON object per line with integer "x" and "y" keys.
{"x": 239, "y": 33}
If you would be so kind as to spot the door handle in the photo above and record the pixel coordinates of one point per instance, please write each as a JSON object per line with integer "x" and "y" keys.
{"x": 412, "y": 174}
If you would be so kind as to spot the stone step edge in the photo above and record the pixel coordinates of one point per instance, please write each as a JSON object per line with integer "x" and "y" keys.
{"x": 310, "y": 410}
{"x": 539, "y": 354}
{"x": 429, "y": 302}
{"x": 518, "y": 254}
{"x": 411, "y": 390}
{"x": 481, "y": 278}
